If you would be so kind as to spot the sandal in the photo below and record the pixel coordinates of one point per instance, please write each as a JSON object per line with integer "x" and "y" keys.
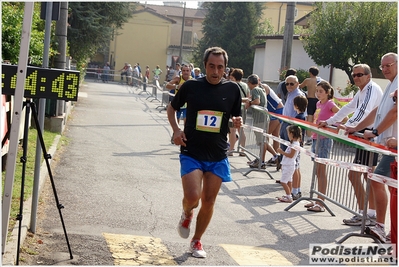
{"x": 309, "y": 205}
{"x": 316, "y": 208}
{"x": 242, "y": 154}
{"x": 285, "y": 199}
{"x": 230, "y": 154}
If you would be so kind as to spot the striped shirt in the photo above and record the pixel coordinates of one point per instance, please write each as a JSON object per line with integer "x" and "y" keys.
{"x": 361, "y": 105}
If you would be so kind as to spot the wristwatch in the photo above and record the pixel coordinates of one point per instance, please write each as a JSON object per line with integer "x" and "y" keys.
{"x": 375, "y": 132}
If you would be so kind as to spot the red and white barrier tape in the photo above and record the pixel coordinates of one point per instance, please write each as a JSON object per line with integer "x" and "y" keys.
{"x": 344, "y": 165}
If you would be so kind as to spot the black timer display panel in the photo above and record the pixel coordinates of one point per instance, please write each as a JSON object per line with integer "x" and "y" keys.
{"x": 42, "y": 83}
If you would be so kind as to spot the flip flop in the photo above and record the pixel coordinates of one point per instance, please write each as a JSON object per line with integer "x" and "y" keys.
{"x": 316, "y": 208}
{"x": 309, "y": 205}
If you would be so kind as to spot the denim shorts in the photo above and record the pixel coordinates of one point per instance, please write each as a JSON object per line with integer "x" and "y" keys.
{"x": 384, "y": 167}
{"x": 219, "y": 168}
{"x": 324, "y": 148}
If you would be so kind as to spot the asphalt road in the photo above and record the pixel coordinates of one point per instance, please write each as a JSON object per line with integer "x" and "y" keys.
{"x": 118, "y": 178}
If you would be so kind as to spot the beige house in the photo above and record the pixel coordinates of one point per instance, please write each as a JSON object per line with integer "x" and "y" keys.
{"x": 144, "y": 39}
{"x": 275, "y": 12}
{"x": 192, "y": 31}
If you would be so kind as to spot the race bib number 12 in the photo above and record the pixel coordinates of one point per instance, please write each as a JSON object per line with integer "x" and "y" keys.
{"x": 209, "y": 121}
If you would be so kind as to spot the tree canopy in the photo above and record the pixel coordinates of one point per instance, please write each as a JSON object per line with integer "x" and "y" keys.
{"x": 232, "y": 26}
{"x": 347, "y": 33}
{"x": 92, "y": 24}
{"x": 12, "y": 14}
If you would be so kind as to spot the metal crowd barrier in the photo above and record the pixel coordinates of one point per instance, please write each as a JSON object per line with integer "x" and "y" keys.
{"x": 164, "y": 97}
{"x": 339, "y": 190}
{"x": 154, "y": 92}
{"x": 257, "y": 120}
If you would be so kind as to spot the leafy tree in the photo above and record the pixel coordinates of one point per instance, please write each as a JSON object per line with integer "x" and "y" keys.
{"x": 347, "y": 33}
{"x": 12, "y": 20}
{"x": 232, "y": 26}
{"x": 91, "y": 25}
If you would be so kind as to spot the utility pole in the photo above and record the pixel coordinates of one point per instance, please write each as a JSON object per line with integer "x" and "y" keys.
{"x": 61, "y": 36}
{"x": 288, "y": 36}
{"x": 182, "y": 32}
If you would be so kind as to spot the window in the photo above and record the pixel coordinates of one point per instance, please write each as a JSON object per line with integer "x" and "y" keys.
{"x": 187, "y": 37}
{"x": 188, "y": 22}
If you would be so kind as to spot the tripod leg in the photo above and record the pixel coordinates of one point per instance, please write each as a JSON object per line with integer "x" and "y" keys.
{"x": 46, "y": 158}
{"x": 23, "y": 161}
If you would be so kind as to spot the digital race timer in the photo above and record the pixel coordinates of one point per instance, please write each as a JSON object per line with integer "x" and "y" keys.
{"x": 42, "y": 83}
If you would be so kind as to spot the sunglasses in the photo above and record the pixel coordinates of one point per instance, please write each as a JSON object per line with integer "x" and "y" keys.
{"x": 290, "y": 84}
{"x": 358, "y": 75}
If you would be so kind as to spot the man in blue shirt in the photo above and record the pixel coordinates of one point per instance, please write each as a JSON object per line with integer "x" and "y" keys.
{"x": 289, "y": 111}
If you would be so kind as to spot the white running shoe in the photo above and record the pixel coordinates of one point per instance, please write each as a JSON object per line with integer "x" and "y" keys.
{"x": 183, "y": 228}
{"x": 196, "y": 249}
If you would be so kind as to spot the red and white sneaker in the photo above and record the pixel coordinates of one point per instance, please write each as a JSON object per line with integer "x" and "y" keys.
{"x": 196, "y": 249}
{"x": 183, "y": 228}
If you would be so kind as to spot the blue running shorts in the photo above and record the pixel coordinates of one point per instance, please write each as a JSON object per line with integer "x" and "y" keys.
{"x": 219, "y": 168}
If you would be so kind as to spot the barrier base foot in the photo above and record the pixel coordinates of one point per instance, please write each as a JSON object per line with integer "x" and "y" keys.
{"x": 144, "y": 92}
{"x": 358, "y": 235}
{"x": 259, "y": 170}
{"x": 310, "y": 199}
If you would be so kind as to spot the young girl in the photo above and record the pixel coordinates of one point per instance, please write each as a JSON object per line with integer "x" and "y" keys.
{"x": 288, "y": 162}
{"x": 300, "y": 104}
{"x": 325, "y": 109}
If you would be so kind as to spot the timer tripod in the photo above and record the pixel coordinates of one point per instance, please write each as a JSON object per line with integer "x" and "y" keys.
{"x": 30, "y": 106}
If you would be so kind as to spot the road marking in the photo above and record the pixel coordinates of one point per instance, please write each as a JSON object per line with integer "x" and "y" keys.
{"x": 144, "y": 250}
{"x": 246, "y": 255}
{"x": 138, "y": 250}
{"x": 82, "y": 94}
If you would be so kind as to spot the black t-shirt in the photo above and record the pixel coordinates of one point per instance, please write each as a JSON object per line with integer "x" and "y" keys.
{"x": 209, "y": 108}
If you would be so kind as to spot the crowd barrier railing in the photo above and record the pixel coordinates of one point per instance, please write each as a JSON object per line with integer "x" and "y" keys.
{"x": 256, "y": 120}
{"x": 164, "y": 97}
{"x": 337, "y": 188}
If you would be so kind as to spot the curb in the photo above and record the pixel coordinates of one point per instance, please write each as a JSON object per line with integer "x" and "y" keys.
{"x": 10, "y": 253}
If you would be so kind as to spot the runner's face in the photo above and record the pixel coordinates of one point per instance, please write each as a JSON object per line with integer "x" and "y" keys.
{"x": 185, "y": 72}
{"x": 215, "y": 68}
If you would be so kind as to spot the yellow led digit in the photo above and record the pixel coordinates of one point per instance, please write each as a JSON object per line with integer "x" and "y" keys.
{"x": 43, "y": 80}
{"x": 30, "y": 83}
{"x": 72, "y": 87}
{"x": 2, "y": 79}
{"x": 13, "y": 83}
{"x": 57, "y": 86}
